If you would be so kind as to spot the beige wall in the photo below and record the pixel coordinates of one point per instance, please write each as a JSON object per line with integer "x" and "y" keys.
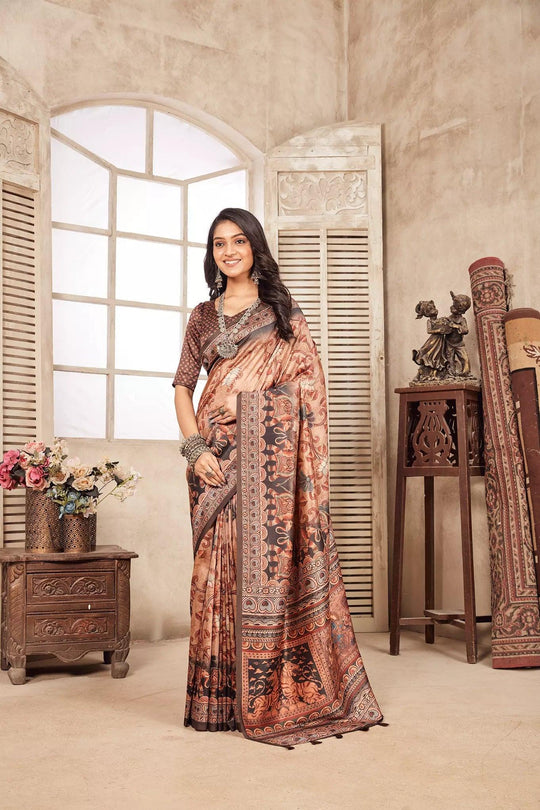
{"x": 252, "y": 64}
{"x": 248, "y": 68}
{"x": 456, "y": 87}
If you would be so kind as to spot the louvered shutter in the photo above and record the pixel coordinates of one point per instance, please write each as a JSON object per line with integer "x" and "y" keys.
{"x": 19, "y": 183}
{"x": 19, "y": 368}
{"x": 323, "y": 216}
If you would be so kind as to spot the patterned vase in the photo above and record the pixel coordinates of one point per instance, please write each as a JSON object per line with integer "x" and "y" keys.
{"x": 76, "y": 534}
{"x": 43, "y": 534}
{"x": 92, "y": 520}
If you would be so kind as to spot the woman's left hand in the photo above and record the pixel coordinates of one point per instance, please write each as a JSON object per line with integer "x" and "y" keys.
{"x": 223, "y": 410}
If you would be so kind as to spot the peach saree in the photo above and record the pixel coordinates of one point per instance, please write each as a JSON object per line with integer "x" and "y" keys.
{"x": 272, "y": 649}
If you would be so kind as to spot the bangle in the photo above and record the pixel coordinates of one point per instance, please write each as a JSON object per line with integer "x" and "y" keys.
{"x": 193, "y": 447}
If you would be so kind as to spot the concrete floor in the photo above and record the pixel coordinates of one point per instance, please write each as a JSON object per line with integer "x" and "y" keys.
{"x": 460, "y": 736}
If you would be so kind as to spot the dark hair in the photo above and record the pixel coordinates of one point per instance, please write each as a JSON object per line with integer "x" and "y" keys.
{"x": 271, "y": 289}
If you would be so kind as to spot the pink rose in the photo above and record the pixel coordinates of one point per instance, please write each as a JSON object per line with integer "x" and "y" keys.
{"x": 11, "y": 457}
{"x": 24, "y": 461}
{"x": 34, "y": 447}
{"x": 35, "y": 478}
{"x": 6, "y": 481}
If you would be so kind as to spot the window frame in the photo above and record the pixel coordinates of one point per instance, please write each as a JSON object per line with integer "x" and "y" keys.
{"x": 249, "y": 160}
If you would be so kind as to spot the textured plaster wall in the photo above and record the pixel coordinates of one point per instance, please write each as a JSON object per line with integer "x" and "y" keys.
{"x": 456, "y": 87}
{"x": 247, "y": 65}
{"x": 250, "y": 63}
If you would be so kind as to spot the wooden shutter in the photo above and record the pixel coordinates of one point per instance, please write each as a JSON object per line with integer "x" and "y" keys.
{"x": 19, "y": 366}
{"x": 324, "y": 220}
{"x": 19, "y": 346}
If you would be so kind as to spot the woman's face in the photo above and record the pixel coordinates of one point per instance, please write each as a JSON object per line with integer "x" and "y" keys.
{"x": 232, "y": 250}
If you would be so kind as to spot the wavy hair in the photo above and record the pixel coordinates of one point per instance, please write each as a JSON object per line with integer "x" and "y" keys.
{"x": 271, "y": 289}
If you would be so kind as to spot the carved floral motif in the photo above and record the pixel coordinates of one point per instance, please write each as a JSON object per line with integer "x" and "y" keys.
{"x": 17, "y": 144}
{"x": 308, "y": 193}
{"x": 71, "y": 627}
{"x": 69, "y": 586}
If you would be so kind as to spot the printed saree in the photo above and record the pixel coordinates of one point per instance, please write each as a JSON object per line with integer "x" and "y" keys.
{"x": 272, "y": 648}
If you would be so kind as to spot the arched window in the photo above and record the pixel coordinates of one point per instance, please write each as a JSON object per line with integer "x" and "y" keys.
{"x": 134, "y": 189}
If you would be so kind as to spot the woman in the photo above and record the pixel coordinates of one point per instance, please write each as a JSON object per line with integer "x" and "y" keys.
{"x": 272, "y": 650}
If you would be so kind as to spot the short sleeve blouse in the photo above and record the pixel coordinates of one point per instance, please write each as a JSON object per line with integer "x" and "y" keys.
{"x": 190, "y": 363}
{"x": 201, "y": 326}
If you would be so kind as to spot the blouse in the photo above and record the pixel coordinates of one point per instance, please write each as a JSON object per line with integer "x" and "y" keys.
{"x": 202, "y": 324}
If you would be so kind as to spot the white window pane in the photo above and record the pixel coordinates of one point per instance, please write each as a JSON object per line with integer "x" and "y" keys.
{"x": 79, "y": 263}
{"x": 208, "y": 197}
{"x": 115, "y": 133}
{"x": 79, "y": 188}
{"x": 79, "y": 334}
{"x": 144, "y": 408}
{"x": 145, "y": 206}
{"x": 147, "y": 339}
{"x": 197, "y": 288}
{"x": 182, "y": 150}
{"x": 148, "y": 271}
{"x": 79, "y": 404}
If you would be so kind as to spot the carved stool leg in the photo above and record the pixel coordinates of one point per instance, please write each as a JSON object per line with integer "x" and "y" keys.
{"x": 466, "y": 536}
{"x": 399, "y": 531}
{"x": 429, "y": 536}
{"x": 107, "y": 656}
{"x": 17, "y": 672}
{"x": 119, "y": 668}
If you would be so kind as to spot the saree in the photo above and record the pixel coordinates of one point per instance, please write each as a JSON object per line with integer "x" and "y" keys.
{"x": 272, "y": 647}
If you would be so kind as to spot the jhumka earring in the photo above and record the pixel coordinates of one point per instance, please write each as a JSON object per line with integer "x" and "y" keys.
{"x": 218, "y": 280}
{"x": 255, "y": 276}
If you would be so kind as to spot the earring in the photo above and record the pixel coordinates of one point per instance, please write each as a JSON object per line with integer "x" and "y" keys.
{"x": 255, "y": 276}
{"x": 218, "y": 280}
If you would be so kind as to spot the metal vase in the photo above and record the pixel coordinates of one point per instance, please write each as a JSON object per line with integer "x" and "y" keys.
{"x": 76, "y": 534}
{"x": 43, "y": 532}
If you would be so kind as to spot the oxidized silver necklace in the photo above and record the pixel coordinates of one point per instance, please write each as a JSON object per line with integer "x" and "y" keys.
{"x": 227, "y": 347}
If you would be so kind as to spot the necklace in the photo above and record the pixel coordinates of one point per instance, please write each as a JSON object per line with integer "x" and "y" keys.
{"x": 227, "y": 347}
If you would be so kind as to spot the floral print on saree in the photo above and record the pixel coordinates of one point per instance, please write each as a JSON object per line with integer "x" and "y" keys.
{"x": 272, "y": 648}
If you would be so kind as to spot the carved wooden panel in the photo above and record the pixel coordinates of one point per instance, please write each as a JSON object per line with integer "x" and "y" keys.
{"x": 76, "y": 627}
{"x": 18, "y": 145}
{"x": 433, "y": 437}
{"x": 319, "y": 193}
{"x": 475, "y": 434}
{"x": 47, "y": 588}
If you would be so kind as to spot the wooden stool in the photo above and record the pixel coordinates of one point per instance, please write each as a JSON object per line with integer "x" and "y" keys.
{"x": 440, "y": 433}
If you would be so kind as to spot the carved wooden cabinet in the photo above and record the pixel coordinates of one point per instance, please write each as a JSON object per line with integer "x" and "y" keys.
{"x": 66, "y": 605}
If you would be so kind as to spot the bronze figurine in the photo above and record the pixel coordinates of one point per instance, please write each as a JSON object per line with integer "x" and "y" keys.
{"x": 443, "y": 358}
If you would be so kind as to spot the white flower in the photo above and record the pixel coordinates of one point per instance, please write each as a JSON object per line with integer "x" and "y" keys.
{"x": 83, "y": 483}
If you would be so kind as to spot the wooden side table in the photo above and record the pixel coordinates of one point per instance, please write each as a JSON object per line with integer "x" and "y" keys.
{"x": 66, "y": 605}
{"x": 440, "y": 433}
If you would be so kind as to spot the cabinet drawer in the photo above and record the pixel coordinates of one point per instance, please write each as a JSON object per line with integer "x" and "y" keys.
{"x": 54, "y": 587}
{"x": 73, "y": 627}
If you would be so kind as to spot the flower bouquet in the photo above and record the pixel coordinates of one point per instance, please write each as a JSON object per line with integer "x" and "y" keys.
{"x": 60, "y": 487}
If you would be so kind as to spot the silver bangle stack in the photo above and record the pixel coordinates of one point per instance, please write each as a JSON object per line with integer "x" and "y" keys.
{"x": 193, "y": 447}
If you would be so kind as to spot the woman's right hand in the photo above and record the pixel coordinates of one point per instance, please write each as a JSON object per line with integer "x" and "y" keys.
{"x": 207, "y": 467}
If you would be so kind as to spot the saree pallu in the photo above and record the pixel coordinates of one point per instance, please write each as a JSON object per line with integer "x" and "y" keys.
{"x": 514, "y": 597}
{"x": 272, "y": 648}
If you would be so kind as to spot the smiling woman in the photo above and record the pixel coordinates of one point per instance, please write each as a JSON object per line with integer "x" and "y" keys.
{"x": 272, "y": 647}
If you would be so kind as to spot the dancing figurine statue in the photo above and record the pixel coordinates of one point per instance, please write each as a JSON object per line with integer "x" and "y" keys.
{"x": 443, "y": 357}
